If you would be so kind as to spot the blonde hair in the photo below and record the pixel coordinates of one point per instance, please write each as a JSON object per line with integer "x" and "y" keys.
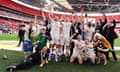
{"x": 97, "y": 35}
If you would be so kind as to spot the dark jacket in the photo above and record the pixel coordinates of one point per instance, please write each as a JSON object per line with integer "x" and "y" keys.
{"x": 102, "y": 25}
{"x": 111, "y": 34}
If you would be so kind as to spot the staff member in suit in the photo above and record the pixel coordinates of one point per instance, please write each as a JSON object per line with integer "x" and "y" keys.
{"x": 73, "y": 30}
{"x": 110, "y": 36}
{"x": 21, "y": 33}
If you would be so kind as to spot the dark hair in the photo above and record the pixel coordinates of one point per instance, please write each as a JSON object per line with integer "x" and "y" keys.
{"x": 85, "y": 14}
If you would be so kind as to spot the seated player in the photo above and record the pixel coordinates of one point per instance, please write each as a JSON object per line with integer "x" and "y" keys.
{"x": 89, "y": 51}
{"x": 102, "y": 46}
{"x": 77, "y": 51}
{"x": 34, "y": 59}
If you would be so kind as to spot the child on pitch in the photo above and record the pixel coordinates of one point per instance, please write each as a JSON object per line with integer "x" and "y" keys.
{"x": 102, "y": 46}
{"x": 77, "y": 51}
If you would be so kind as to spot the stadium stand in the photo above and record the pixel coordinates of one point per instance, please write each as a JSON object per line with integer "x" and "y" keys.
{"x": 15, "y": 11}
{"x": 9, "y": 13}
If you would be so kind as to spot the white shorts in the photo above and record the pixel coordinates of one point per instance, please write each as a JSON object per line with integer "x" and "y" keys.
{"x": 65, "y": 40}
{"x": 76, "y": 53}
{"x": 59, "y": 51}
{"x": 61, "y": 39}
{"x": 55, "y": 38}
{"x": 67, "y": 51}
{"x": 90, "y": 53}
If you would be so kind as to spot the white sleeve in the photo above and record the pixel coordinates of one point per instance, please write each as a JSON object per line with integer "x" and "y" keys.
{"x": 26, "y": 28}
{"x": 75, "y": 41}
{"x": 93, "y": 29}
{"x": 83, "y": 44}
{"x": 86, "y": 27}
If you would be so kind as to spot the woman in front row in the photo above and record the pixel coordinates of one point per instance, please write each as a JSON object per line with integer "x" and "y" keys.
{"x": 77, "y": 51}
{"x": 102, "y": 47}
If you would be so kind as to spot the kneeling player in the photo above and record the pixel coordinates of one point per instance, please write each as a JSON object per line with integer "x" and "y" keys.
{"x": 77, "y": 53}
{"x": 89, "y": 51}
{"x": 102, "y": 46}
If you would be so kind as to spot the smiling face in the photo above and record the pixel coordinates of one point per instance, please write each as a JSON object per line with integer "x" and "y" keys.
{"x": 67, "y": 19}
{"x": 96, "y": 38}
{"x": 86, "y": 41}
{"x": 44, "y": 49}
{"x": 42, "y": 31}
{"x": 56, "y": 18}
{"x": 31, "y": 24}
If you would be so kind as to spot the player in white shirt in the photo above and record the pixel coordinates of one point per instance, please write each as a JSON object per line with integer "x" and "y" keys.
{"x": 77, "y": 51}
{"x": 84, "y": 31}
{"x": 65, "y": 39}
{"x": 90, "y": 32}
{"x": 89, "y": 51}
{"x": 55, "y": 31}
{"x": 38, "y": 26}
{"x": 55, "y": 35}
{"x": 34, "y": 30}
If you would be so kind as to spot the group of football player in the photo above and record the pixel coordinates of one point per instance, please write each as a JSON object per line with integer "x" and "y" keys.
{"x": 73, "y": 38}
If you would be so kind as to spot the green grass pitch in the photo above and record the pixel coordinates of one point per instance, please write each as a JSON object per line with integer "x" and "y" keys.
{"x": 16, "y": 57}
{"x": 8, "y": 37}
{"x": 15, "y": 37}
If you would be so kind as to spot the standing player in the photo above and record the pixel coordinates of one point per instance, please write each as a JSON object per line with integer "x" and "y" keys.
{"x": 55, "y": 35}
{"x": 66, "y": 37}
{"x": 91, "y": 31}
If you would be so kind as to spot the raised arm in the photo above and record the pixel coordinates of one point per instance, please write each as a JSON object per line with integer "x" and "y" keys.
{"x": 43, "y": 16}
{"x": 49, "y": 15}
{"x": 104, "y": 27}
{"x": 105, "y": 19}
{"x": 82, "y": 17}
{"x": 114, "y": 23}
